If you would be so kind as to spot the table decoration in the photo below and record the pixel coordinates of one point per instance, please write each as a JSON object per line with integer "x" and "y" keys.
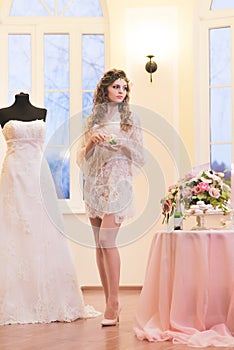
{"x": 206, "y": 193}
{"x": 202, "y": 211}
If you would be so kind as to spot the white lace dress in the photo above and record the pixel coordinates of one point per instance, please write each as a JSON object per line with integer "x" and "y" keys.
{"x": 108, "y": 172}
{"x": 37, "y": 276}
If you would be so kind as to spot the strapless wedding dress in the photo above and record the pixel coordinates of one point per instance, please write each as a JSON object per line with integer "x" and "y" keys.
{"x": 37, "y": 276}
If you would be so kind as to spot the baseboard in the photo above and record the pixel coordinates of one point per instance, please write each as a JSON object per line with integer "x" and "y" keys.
{"x": 97, "y": 288}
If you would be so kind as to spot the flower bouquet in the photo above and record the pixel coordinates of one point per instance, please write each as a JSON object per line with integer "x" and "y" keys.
{"x": 111, "y": 139}
{"x": 207, "y": 187}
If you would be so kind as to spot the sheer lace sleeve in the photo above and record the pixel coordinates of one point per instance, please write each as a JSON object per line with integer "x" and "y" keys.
{"x": 136, "y": 144}
{"x": 82, "y": 159}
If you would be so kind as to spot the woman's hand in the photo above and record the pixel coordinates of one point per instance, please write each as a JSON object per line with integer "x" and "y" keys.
{"x": 98, "y": 137}
{"x": 94, "y": 140}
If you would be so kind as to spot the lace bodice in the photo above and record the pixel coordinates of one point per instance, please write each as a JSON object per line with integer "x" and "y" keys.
{"x": 15, "y": 130}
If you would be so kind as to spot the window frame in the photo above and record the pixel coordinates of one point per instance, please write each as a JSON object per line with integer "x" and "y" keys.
{"x": 37, "y": 27}
{"x": 206, "y": 20}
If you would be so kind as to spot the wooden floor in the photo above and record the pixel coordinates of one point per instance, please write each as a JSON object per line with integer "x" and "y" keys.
{"x": 84, "y": 334}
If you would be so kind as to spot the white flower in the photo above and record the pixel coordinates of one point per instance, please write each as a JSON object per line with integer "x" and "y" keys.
{"x": 220, "y": 174}
{"x": 208, "y": 181}
{"x": 208, "y": 173}
{"x": 212, "y": 176}
{"x": 216, "y": 178}
{"x": 111, "y": 137}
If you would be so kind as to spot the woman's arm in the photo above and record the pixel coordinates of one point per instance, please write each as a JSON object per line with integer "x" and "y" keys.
{"x": 86, "y": 146}
{"x": 134, "y": 147}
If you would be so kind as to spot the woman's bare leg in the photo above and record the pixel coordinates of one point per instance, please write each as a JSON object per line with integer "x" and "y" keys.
{"x": 96, "y": 223}
{"x": 107, "y": 236}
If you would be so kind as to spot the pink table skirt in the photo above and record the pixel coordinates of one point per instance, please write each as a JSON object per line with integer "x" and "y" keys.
{"x": 188, "y": 293}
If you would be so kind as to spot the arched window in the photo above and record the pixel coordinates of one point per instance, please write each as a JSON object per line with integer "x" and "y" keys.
{"x": 221, "y": 4}
{"x": 55, "y": 51}
{"x": 214, "y": 112}
{"x": 70, "y": 8}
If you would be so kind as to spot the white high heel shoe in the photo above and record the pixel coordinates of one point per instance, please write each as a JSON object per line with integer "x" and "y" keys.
{"x": 106, "y": 322}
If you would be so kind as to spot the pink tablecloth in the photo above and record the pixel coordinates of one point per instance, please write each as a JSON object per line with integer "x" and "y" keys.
{"x": 188, "y": 293}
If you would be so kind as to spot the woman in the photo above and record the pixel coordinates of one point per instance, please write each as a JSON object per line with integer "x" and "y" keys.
{"x": 111, "y": 147}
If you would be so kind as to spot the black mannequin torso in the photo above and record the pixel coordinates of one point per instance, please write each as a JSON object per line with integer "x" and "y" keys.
{"x": 22, "y": 109}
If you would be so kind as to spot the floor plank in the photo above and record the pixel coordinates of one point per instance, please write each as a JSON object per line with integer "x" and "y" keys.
{"x": 84, "y": 334}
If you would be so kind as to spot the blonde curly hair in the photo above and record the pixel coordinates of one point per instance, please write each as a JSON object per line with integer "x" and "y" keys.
{"x": 101, "y": 101}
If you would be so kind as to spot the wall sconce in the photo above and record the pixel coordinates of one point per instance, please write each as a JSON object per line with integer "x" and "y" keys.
{"x": 151, "y": 66}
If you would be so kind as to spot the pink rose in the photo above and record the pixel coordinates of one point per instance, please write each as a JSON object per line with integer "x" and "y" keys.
{"x": 197, "y": 190}
{"x": 213, "y": 192}
{"x": 203, "y": 186}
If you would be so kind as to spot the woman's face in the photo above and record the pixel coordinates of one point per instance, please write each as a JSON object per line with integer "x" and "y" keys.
{"x": 117, "y": 91}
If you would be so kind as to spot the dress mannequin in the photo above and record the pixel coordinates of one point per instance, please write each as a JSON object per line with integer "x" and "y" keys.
{"x": 22, "y": 109}
{"x": 37, "y": 272}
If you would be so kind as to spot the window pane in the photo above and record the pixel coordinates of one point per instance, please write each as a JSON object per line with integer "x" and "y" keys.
{"x": 56, "y": 56}
{"x": 11, "y": 98}
{"x": 220, "y": 54}
{"x": 58, "y": 159}
{"x": 51, "y": 6}
{"x": 221, "y": 115}
{"x": 92, "y": 60}
{"x": 28, "y": 8}
{"x": 81, "y": 8}
{"x": 19, "y": 62}
{"x": 222, "y": 4}
{"x": 57, "y": 102}
{"x": 87, "y": 104}
{"x": 57, "y": 119}
{"x": 221, "y": 158}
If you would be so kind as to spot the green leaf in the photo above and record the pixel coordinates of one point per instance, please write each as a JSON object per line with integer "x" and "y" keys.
{"x": 113, "y": 142}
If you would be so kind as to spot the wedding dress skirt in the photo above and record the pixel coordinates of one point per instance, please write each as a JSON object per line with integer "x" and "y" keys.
{"x": 37, "y": 276}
